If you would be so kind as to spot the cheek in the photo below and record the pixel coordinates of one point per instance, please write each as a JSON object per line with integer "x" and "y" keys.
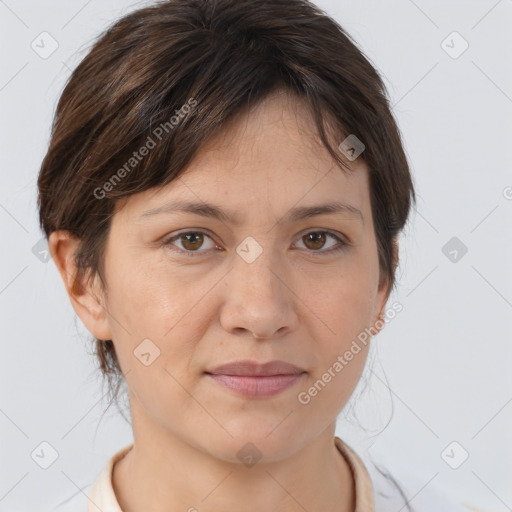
{"x": 350, "y": 310}
{"x": 342, "y": 344}
{"x": 148, "y": 297}
{"x": 149, "y": 301}
{"x": 343, "y": 300}
{"x": 345, "y": 307}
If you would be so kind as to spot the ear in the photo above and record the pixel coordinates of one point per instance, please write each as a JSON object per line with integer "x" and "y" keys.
{"x": 385, "y": 286}
{"x": 86, "y": 298}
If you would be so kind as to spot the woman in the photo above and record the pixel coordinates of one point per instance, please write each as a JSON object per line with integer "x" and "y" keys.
{"x": 222, "y": 195}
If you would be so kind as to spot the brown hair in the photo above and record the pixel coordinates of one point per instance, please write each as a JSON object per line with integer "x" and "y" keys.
{"x": 219, "y": 57}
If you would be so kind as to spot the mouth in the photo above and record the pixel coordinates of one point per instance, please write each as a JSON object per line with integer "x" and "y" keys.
{"x": 251, "y": 379}
{"x": 256, "y": 386}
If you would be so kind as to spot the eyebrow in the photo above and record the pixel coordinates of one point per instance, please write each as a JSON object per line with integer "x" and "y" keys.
{"x": 213, "y": 211}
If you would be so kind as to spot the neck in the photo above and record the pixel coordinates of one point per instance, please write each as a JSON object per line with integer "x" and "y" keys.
{"x": 165, "y": 473}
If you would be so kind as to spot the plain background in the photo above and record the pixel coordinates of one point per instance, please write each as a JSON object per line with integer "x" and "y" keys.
{"x": 439, "y": 372}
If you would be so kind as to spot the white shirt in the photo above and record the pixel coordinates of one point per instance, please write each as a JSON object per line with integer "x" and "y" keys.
{"x": 373, "y": 492}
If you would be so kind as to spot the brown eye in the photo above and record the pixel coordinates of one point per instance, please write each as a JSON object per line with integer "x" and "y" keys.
{"x": 315, "y": 241}
{"x": 191, "y": 241}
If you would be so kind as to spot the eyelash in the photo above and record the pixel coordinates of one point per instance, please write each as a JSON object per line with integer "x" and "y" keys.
{"x": 168, "y": 243}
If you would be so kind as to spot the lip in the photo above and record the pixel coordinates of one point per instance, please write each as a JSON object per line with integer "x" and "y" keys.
{"x": 255, "y": 369}
{"x": 252, "y": 379}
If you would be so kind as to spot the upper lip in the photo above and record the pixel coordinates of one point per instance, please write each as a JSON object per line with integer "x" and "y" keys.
{"x": 252, "y": 368}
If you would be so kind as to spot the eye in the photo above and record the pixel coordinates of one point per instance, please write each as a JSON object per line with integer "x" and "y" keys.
{"x": 314, "y": 240}
{"x": 190, "y": 240}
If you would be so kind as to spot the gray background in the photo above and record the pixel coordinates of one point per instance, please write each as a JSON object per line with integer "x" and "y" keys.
{"x": 439, "y": 372}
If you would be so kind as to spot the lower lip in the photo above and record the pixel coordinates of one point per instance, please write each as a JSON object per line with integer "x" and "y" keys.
{"x": 257, "y": 386}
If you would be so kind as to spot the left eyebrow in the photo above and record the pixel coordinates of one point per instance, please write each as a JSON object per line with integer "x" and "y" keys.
{"x": 306, "y": 212}
{"x": 213, "y": 211}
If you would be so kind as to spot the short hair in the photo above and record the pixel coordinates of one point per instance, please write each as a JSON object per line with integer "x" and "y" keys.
{"x": 217, "y": 58}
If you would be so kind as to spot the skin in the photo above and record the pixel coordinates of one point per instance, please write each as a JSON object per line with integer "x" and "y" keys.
{"x": 296, "y": 302}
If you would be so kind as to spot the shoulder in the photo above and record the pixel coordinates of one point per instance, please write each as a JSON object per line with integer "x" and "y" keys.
{"x": 393, "y": 492}
{"x": 97, "y": 495}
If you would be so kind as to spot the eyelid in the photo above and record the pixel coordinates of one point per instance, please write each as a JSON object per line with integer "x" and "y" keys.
{"x": 167, "y": 241}
{"x": 335, "y": 234}
{"x": 340, "y": 238}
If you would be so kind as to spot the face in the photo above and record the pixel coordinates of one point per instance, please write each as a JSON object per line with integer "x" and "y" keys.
{"x": 189, "y": 292}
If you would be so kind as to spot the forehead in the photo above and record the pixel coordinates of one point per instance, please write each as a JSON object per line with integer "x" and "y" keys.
{"x": 277, "y": 131}
{"x": 269, "y": 158}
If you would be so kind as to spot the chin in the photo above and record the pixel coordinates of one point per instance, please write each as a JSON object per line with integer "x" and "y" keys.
{"x": 254, "y": 439}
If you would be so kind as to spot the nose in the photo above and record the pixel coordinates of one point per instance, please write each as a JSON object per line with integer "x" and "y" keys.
{"x": 259, "y": 298}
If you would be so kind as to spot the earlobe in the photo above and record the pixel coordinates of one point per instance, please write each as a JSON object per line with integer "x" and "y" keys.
{"x": 86, "y": 297}
{"x": 379, "y": 323}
